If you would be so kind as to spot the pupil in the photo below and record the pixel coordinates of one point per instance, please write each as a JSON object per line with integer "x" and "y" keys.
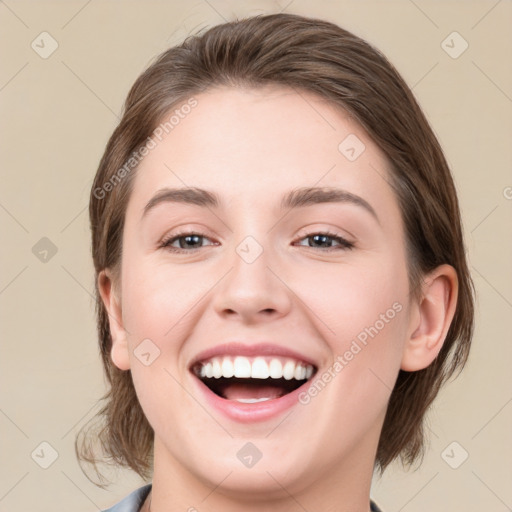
{"x": 188, "y": 238}
{"x": 322, "y": 237}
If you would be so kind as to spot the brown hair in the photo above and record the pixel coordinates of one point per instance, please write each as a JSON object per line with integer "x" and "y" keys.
{"x": 310, "y": 55}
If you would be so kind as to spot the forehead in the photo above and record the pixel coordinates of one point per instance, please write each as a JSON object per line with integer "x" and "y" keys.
{"x": 254, "y": 145}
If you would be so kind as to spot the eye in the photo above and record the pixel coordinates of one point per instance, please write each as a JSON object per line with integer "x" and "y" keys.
{"x": 328, "y": 238}
{"x": 188, "y": 241}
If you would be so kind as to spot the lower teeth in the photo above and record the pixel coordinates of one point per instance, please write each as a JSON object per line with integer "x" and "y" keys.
{"x": 251, "y": 400}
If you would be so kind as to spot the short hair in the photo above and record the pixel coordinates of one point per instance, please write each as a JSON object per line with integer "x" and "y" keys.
{"x": 307, "y": 55}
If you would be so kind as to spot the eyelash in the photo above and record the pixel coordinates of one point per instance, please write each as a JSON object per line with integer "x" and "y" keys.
{"x": 344, "y": 244}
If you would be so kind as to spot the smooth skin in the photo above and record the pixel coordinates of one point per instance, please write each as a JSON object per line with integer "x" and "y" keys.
{"x": 252, "y": 146}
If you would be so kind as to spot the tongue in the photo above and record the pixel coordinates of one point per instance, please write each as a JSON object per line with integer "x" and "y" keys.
{"x": 246, "y": 391}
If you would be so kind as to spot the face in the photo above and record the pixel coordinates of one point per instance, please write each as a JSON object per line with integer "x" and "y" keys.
{"x": 313, "y": 293}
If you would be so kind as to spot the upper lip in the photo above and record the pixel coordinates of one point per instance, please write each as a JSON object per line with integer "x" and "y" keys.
{"x": 239, "y": 348}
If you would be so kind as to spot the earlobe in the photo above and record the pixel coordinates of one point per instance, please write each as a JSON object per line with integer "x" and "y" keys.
{"x": 119, "y": 351}
{"x": 432, "y": 320}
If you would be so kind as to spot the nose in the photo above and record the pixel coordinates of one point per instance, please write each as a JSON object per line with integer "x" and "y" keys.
{"x": 253, "y": 290}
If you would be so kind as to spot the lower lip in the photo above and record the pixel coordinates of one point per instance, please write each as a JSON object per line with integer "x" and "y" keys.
{"x": 250, "y": 413}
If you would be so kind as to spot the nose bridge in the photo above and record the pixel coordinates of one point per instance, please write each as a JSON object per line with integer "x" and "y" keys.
{"x": 251, "y": 286}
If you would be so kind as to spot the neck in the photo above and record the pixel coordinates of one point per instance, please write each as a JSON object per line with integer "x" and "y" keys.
{"x": 344, "y": 487}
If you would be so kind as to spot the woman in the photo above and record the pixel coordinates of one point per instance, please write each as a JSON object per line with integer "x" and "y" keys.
{"x": 281, "y": 277}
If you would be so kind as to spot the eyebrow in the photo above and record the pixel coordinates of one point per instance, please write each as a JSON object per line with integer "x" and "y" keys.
{"x": 305, "y": 196}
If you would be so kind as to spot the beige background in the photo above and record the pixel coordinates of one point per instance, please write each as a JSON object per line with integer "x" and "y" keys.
{"x": 56, "y": 116}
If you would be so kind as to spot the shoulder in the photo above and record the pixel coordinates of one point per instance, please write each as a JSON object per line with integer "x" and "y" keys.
{"x": 132, "y": 502}
{"x": 374, "y": 507}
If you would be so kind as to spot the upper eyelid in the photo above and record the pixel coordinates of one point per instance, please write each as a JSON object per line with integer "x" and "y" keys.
{"x": 300, "y": 236}
{"x": 325, "y": 232}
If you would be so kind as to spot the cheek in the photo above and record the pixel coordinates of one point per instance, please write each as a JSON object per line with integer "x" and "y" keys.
{"x": 153, "y": 294}
{"x": 345, "y": 300}
{"x": 161, "y": 302}
{"x": 349, "y": 298}
{"x": 362, "y": 313}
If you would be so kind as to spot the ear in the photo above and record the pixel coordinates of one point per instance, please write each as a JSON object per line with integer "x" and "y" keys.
{"x": 119, "y": 352}
{"x": 431, "y": 319}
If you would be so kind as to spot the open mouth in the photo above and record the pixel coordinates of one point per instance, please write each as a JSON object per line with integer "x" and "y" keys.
{"x": 251, "y": 380}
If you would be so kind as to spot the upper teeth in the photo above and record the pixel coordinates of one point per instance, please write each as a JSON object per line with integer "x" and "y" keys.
{"x": 257, "y": 368}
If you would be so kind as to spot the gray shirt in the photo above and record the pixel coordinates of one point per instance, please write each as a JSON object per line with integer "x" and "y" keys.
{"x": 133, "y": 502}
